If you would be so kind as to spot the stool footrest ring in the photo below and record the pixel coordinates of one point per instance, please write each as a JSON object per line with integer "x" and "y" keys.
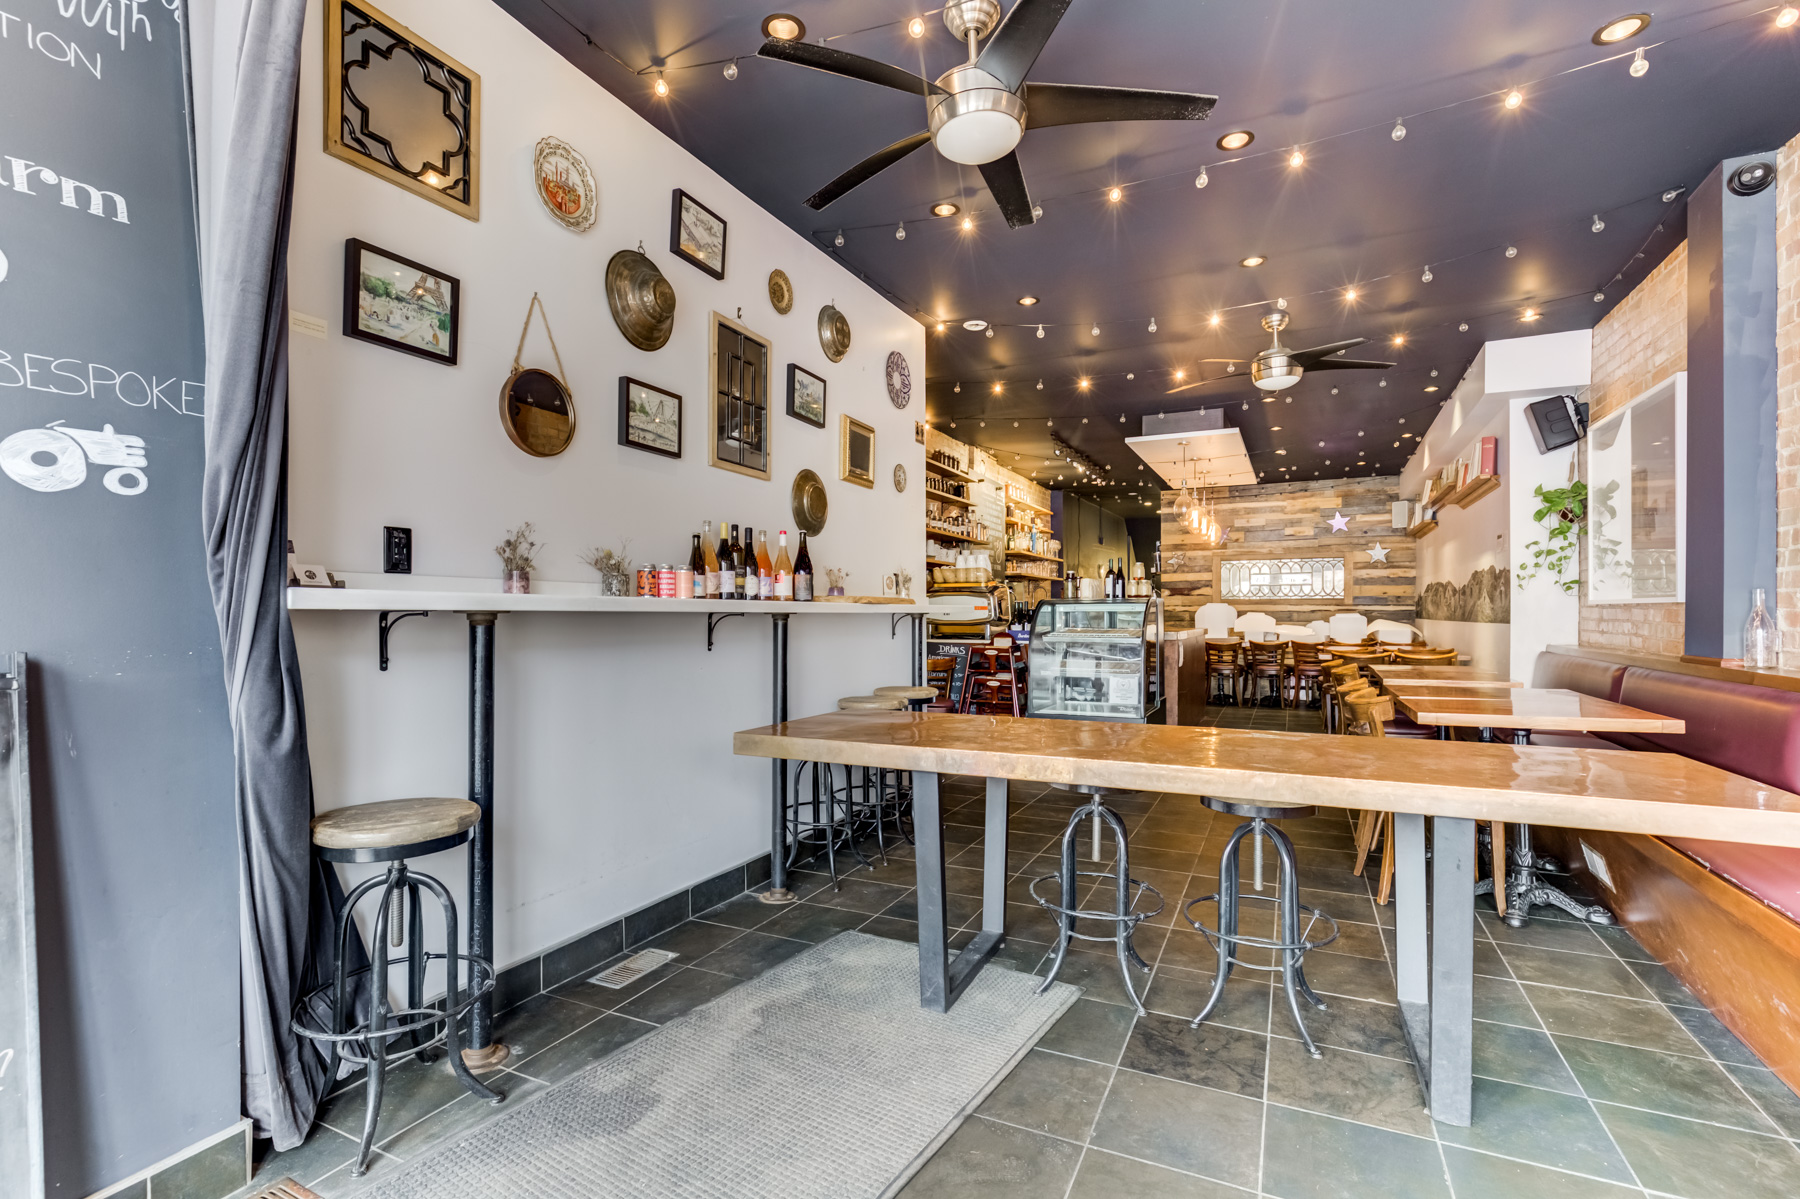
{"x": 1131, "y": 918}
{"x": 1243, "y": 941}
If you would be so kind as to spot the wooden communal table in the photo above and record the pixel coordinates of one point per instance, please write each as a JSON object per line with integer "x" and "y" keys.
{"x": 1448, "y": 676}
{"x": 1450, "y": 783}
{"x": 1526, "y": 710}
{"x": 1453, "y": 690}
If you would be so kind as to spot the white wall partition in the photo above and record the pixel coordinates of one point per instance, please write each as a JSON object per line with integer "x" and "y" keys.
{"x": 615, "y": 783}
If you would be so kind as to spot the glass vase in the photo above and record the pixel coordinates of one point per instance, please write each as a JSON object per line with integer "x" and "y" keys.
{"x": 517, "y": 582}
{"x": 1759, "y": 634}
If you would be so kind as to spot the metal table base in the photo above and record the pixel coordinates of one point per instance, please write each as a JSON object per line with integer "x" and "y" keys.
{"x": 941, "y": 977}
{"x": 1434, "y": 968}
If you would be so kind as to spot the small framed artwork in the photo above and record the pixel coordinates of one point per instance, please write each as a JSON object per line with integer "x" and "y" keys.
{"x": 649, "y": 418}
{"x": 401, "y": 304}
{"x": 697, "y": 233}
{"x": 919, "y": 431}
{"x": 856, "y": 452}
{"x": 806, "y": 396}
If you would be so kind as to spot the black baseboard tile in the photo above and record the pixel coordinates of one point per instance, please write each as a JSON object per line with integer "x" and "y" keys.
{"x": 716, "y": 890}
{"x": 583, "y": 955}
{"x": 756, "y": 872}
{"x": 518, "y": 983}
{"x": 210, "y": 1169}
{"x": 656, "y": 919}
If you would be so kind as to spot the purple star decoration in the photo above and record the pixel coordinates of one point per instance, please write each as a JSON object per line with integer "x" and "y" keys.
{"x": 1340, "y": 523}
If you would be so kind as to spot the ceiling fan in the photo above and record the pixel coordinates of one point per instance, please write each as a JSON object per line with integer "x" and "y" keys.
{"x": 978, "y": 111}
{"x": 1279, "y": 368}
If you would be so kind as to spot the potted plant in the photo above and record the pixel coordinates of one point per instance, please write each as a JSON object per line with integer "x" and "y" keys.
{"x": 518, "y": 554}
{"x": 614, "y": 567}
{"x": 1562, "y": 513}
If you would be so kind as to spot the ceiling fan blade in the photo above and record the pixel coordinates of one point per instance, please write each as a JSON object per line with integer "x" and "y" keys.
{"x": 1020, "y": 39}
{"x": 1347, "y": 364}
{"x": 1006, "y": 181}
{"x": 1308, "y": 358}
{"x": 866, "y": 170}
{"x": 1201, "y": 383}
{"x": 852, "y": 66}
{"x": 1077, "y": 104}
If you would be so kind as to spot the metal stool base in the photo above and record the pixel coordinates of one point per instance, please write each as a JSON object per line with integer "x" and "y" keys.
{"x": 1125, "y": 916}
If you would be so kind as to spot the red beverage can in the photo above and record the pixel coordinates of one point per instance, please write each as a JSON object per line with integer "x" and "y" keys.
{"x": 665, "y": 581}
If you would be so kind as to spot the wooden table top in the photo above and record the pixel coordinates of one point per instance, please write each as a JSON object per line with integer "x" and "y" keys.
{"x": 1452, "y": 690}
{"x": 1531, "y": 708}
{"x": 1664, "y": 794}
{"x": 1466, "y": 675}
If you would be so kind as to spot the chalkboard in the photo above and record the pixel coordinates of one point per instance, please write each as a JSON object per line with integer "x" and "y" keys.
{"x": 21, "y": 1100}
{"x": 959, "y": 651}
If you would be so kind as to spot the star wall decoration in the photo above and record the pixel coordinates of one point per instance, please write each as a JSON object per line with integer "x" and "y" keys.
{"x": 1340, "y": 523}
{"x": 1377, "y": 553}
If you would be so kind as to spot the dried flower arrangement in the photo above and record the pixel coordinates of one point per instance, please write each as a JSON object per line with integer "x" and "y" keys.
{"x": 614, "y": 568}
{"x": 518, "y": 553}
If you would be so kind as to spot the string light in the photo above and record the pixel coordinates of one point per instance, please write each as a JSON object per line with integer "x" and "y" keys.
{"x": 900, "y": 231}
{"x": 731, "y": 69}
{"x": 1786, "y": 17}
{"x": 958, "y": 388}
{"x": 997, "y": 388}
{"x": 1599, "y": 297}
{"x": 1425, "y": 276}
{"x": 1201, "y": 180}
{"x": 838, "y": 241}
{"x": 1349, "y": 295}
{"x": 916, "y": 27}
{"x": 1598, "y": 224}
{"x": 1399, "y": 133}
{"x": 968, "y": 224}
{"x": 1040, "y": 330}
{"x": 1639, "y": 64}
{"x": 1463, "y": 328}
{"x": 940, "y": 326}
{"x": 990, "y": 330}
{"x": 1082, "y": 383}
{"x": 1515, "y": 98}
{"x": 1180, "y": 375}
{"x": 1095, "y": 331}
{"x": 1214, "y": 320}
{"x": 662, "y": 86}
{"x": 1512, "y": 251}
{"x": 1152, "y": 324}
{"x": 1297, "y": 159}
{"x": 1115, "y": 195}
{"x": 1399, "y": 340}
{"x": 1040, "y": 385}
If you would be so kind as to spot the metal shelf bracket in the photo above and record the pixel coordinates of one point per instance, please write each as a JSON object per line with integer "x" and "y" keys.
{"x": 387, "y": 621}
{"x": 712, "y": 622}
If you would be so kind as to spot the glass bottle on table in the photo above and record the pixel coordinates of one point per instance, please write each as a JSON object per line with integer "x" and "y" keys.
{"x": 803, "y": 572}
{"x": 1759, "y": 634}
{"x": 784, "y": 571}
{"x": 749, "y": 564}
{"x": 738, "y": 565}
{"x": 696, "y": 572}
{"x": 710, "y": 589}
{"x": 765, "y": 568}
{"x": 727, "y": 569}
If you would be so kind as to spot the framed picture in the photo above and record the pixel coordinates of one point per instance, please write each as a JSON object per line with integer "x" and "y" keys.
{"x": 737, "y": 436}
{"x": 806, "y": 396}
{"x": 919, "y": 431}
{"x": 401, "y": 304}
{"x": 697, "y": 233}
{"x": 649, "y": 417}
{"x": 400, "y": 108}
{"x": 856, "y": 452}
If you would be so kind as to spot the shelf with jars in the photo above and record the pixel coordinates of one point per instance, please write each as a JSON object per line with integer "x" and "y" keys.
{"x": 948, "y": 465}
{"x": 1017, "y": 499}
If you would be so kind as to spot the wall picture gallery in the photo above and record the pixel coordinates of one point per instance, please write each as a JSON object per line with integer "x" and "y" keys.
{"x": 393, "y": 300}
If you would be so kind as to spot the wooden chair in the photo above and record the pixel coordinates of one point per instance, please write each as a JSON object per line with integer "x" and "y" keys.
{"x": 938, "y": 673}
{"x": 1366, "y": 714}
{"x": 1425, "y": 657}
{"x": 1361, "y": 654}
{"x": 991, "y": 683}
{"x": 1266, "y": 661}
{"x": 1336, "y": 675}
{"x": 1308, "y": 670}
{"x": 1222, "y": 661}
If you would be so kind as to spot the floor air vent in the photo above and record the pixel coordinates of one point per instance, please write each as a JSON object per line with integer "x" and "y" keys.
{"x": 287, "y": 1188}
{"x": 632, "y": 968}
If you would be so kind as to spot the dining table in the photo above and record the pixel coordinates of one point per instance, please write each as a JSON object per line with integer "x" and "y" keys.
{"x": 1449, "y": 676}
{"x": 1449, "y": 784}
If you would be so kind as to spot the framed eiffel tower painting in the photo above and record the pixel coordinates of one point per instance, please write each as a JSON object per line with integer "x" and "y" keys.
{"x": 401, "y": 304}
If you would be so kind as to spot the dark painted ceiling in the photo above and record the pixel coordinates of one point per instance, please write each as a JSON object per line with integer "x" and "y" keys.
{"x": 1469, "y": 179}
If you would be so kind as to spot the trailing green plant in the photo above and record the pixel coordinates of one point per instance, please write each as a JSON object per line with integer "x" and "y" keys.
{"x": 1563, "y": 516}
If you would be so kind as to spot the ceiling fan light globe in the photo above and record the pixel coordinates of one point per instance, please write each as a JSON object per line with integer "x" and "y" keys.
{"x": 979, "y": 121}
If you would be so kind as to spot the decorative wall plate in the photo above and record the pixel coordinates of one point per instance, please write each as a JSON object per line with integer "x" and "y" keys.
{"x": 781, "y": 292}
{"x": 899, "y": 477}
{"x": 808, "y": 503}
{"x": 899, "y": 379}
{"x": 564, "y": 184}
{"x": 834, "y": 333}
{"x": 641, "y": 299}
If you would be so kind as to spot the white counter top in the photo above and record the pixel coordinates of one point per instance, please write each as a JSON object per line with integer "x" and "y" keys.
{"x": 385, "y": 593}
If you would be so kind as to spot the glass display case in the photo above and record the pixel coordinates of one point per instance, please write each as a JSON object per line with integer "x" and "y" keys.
{"x": 1095, "y": 660}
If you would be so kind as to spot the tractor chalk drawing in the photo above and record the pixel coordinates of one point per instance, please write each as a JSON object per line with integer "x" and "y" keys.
{"x": 55, "y": 458}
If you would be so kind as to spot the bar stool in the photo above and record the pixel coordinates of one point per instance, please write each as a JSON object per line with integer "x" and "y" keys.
{"x": 1126, "y": 914}
{"x": 1290, "y": 942}
{"x": 392, "y": 831}
{"x": 991, "y": 682}
{"x": 916, "y": 697}
{"x": 880, "y": 795}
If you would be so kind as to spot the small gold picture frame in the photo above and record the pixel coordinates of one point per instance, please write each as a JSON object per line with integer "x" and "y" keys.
{"x": 399, "y": 108}
{"x": 856, "y": 452}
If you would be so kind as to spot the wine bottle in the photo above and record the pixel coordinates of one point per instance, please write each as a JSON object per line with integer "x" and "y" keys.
{"x": 803, "y": 572}
{"x": 765, "y": 568}
{"x": 751, "y": 586}
{"x": 712, "y": 561}
{"x": 727, "y": 570}
{"x": 784, "y": 571}
{"x": 738, "y": 565}
{"x": 696, "y": 572}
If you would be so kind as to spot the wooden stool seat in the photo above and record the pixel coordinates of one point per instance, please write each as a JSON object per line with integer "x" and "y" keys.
{"x": 871, "y": 703}
{"x": 393, "y": 828}
{"x": 908, "y": 692}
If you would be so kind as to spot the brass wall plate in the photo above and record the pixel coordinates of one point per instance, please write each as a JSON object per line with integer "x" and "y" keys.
{"x": 809, "y": 504}
{"x": 834, "y": 333}
{"x": 781, "y": 291}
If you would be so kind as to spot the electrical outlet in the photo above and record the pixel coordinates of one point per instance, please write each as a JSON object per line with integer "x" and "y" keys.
{"x": 396, "y": 551}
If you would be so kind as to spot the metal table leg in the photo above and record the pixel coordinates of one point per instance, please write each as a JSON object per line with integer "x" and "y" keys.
{"x": 941, "y": 978}
{"x": 1452, "y": 969}
{"x": 778, "y": 771}
{"x": 484, "y": 1053}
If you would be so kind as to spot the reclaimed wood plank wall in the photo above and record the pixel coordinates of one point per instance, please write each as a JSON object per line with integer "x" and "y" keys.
{"x": 1293, "y": 520}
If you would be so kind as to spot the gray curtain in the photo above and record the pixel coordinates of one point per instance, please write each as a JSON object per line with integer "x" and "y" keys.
{"x": 244, "y": 512}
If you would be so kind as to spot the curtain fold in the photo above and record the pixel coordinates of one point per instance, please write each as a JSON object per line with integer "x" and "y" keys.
{"x": 244, "y": 279}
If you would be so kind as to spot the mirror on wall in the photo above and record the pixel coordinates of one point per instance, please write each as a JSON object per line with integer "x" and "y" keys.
{"x": 1637, "y": 483}
{"x": 538, "y": 412}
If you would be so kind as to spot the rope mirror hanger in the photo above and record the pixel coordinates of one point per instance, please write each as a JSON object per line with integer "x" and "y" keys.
{"x": 536, "y": 409}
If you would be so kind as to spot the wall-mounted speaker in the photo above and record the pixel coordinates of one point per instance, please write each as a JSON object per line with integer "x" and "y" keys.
{"x": 1556, "y": 422}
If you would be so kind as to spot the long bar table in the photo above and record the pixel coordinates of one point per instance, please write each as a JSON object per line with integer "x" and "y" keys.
{"x": 396, "y": 597}
{"x": 1450, "y": 783}
{"x": 1447, "y": 676}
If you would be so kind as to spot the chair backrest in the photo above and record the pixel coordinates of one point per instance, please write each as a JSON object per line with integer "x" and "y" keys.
{"x": 1220, "y": 656}
{"x": 1393, "y": 632}
{"x": 1306, "y": 653}
{"x": 1215, "y": 618}
{"x": 937, "y": 674}
{"x": 1426, "y": 657}
{"x": 1348, "y": 627}
{"x": 1366, "y": 713}
{"x": 1266, "y": 654}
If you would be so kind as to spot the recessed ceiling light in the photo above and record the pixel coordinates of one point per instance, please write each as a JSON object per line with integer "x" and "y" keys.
{"x": 944, "y": 208}
{"x": 1530, "y": 314}
{"x": 974, "y": 326}
{"x": 1274, "y": 428}
{"x": 1622, "y": 28}
{"x": 1027, "y": 301}
{"x": 1253, "y": 260}
{"x": 1237, "y": 139}
{"x": 1433, "y": 387}
{"x": 783, "y": 27}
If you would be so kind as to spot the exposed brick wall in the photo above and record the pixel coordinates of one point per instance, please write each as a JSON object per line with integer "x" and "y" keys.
{"x": 1637, "y": 345}
{"x": 1787, "y": 401}
{"x": 1283, "y": 520}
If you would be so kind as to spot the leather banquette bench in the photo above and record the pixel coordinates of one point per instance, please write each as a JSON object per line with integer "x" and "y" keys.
{"x": 1723, "y": 917}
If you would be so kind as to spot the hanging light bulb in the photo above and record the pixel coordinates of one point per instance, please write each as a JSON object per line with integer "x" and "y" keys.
{"x": 1122, "y": 421}
{"x": 1214, "y": 320}
{"x": 1512, "y": 251}
{"x": 1399, "y": 133}
{"x": 1281, "y": 303}
{"x": 1599, "y": 297}
{"x": 1095, "y": 331}
{"x": 900, "y": 231}
{"x": 1463, "y": 328}
{"x": 1639, "y": 64}
{"x": 1349, "y": 295}
{"x": 1515, "y": 98}
{"x": 731, "y": 69}
{"x": 958, "y": 388}
{"x": 968, "y": 224}
{"x": 1040, "y": 385}
{"x": 1114, "y": 195}
{"x": 661, "y": 87}
{"x": 1598, "y": 224}
{"x": 990, "y": 330}
{"x": 916, "y": 27}
{"x": 838, "y": 241}
{"x": 1425, "y": 276}
{"x": 1786, "y": 17}
{"x": 1201, "y": 180}
{"x": 1297, "y": 159}
{"x": 1152, "y": 324}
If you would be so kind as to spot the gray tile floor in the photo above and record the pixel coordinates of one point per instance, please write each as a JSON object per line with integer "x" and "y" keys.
{"x": 1599, "y": 1074}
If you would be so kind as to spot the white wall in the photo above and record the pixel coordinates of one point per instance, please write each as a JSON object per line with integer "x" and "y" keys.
{"x": 615, "y": 784}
